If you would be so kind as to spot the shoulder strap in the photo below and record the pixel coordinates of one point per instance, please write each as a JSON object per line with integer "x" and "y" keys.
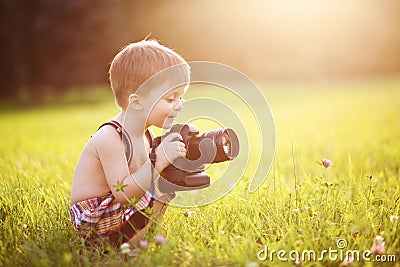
{"x": 150, "y": 136}
{"x": 126, "y": 140}
{"x": 115, "y": 124}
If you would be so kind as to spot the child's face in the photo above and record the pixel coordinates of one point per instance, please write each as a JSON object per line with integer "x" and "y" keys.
{"x": 167, "y": 108}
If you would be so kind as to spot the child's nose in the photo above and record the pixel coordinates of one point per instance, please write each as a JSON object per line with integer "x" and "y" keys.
{"x": 179, "y": 106}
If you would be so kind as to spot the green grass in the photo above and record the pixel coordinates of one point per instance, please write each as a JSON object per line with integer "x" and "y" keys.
{"x": 300, "y": 205}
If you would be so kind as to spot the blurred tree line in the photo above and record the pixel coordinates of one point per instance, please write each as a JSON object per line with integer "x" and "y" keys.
{"x": 51, "y": 45}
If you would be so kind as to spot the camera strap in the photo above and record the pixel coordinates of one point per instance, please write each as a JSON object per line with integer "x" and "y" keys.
{"x": 152, "y": 155}
{"x": 153, "y": 158}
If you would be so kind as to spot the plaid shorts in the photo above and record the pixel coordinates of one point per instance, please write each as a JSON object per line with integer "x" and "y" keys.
{"x": 102, "y": 216}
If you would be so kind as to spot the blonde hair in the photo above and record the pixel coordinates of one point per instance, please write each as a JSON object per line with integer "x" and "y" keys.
{"x": 136, "y": 63}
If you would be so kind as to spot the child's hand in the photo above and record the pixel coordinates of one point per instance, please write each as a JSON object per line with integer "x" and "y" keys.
{"x": 170, "y": 149}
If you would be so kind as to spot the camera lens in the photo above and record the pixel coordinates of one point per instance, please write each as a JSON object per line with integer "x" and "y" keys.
{"x": 227, "y": 144}
{"x": 214, "y": 146}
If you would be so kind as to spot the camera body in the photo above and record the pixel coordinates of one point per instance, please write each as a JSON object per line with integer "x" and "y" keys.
{"x": 210, "y": 147}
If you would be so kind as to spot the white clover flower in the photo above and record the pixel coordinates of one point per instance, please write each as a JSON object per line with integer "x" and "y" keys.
{"x": 188, "y": 213}
{"x": 125, "y": 248}
{"x": 394, "y": 218}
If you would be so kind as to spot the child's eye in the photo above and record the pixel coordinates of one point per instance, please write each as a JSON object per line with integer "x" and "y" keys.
{"x": 171, "y": 100}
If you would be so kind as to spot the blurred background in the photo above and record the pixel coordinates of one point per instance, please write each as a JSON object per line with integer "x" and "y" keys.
{"x": 51, "y": 46}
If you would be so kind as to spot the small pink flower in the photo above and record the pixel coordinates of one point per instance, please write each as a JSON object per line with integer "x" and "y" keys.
{"x": 143, "y": 244}
{"x": 378, "y": 248}
{"x": 347, "y": 261}
{"x": 326, "y": 163}
{"x": 379, "y": 245}
{"x": 159, "y": 239}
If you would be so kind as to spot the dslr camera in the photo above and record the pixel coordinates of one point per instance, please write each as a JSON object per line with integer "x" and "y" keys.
{"x": 210, "y": 147}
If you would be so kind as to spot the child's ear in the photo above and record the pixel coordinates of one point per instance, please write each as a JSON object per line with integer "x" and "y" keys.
{"x": 135, "y": 102}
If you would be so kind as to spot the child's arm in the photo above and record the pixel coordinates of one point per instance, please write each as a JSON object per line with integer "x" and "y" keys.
{"x": 110, "y": 151}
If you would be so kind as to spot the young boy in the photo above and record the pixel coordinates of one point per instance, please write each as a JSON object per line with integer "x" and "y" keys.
{"x": 114, "y": 169}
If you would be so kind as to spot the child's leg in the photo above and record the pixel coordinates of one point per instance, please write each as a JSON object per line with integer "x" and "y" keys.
{"x": 158, "y": 211}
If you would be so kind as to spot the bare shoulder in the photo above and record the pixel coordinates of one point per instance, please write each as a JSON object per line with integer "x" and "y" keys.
{"x": 105, "y": 137}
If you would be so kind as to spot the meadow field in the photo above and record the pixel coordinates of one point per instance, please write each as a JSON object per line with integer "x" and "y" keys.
{"x": 301, "y": 206}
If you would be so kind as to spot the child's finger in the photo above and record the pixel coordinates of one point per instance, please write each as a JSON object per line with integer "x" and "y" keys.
{"x": 181, "y": 144}
{"x": 173, "y": 136}
{"x": 179, "y": 149}
{"x": 182, "y": 149}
